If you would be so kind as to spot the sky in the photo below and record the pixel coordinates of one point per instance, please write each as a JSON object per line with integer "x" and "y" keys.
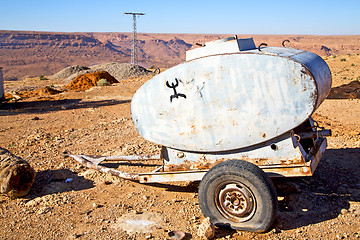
{"x": 316, "y": 17}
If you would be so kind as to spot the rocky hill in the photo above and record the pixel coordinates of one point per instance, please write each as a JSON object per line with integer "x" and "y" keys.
{"x": 32, "y": 54}
{"x": 28, "y": 54}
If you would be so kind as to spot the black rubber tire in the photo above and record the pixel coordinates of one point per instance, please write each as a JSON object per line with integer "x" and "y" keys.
{"x": 238, "y": 194}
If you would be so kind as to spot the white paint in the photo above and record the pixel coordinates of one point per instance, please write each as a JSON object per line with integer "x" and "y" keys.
{"x": 285, "y": 152}
{"x": 232, "y": 101}
{"x": 227, "y": 45}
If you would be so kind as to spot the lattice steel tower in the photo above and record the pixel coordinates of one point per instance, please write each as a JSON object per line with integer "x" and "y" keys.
{"x": 134, "y": 47}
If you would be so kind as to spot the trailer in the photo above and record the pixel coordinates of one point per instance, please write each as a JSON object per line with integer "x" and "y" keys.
{"x": 232, "y": 116}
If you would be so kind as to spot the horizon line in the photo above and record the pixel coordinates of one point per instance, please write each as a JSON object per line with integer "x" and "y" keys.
{"x": 64, "y": 32}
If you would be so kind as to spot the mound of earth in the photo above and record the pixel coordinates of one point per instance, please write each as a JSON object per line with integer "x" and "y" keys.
{"x": 67, "y": 72}
{"x": 121, "y": 70}
{"x": 89, "y": 80}
{"x": 40, "y": 92}
{"x": 118, "y": 70}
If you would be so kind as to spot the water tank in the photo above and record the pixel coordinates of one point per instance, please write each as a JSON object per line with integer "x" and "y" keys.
{"x": 230, "y": 95}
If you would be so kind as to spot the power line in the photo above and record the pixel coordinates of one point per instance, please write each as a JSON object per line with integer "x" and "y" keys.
{"x": 134, "y": 46}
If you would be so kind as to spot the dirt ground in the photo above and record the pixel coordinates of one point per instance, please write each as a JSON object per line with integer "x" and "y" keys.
{"x": 68, "y": 201}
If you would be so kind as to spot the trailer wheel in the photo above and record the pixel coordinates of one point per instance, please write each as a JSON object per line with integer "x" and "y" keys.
{"x": 238, "y": 194}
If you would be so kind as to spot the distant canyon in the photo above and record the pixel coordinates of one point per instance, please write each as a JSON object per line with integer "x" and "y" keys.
{"x": 30, "y": 54}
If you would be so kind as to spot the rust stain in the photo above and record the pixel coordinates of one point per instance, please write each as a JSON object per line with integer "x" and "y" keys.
{"x": 204, "y": 164}
{"x": 293, "y": 161}
{"x": 305, "y": 71}
{"x": 173, "y": 176}
{"x": 148, "y": 178}
{"x": 193, "y": 129}
{"x": 289, "y": 171}
{"x": 235, "y": 123}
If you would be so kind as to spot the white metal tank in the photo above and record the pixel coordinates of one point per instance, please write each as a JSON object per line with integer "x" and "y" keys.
{"x": 229, "y": 95}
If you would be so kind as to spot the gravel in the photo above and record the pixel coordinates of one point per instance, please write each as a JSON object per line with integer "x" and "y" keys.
{"x": 68, "y": 71}
{"x": 118, "y": 70}
{"x": 121, "y": 71}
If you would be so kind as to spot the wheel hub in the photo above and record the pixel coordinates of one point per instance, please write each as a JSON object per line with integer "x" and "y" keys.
{"x": 236, "y": 202}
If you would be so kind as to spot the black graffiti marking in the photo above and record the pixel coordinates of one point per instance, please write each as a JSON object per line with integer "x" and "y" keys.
{"x": 199, "y": 89}
{"x": 174, "y": 86}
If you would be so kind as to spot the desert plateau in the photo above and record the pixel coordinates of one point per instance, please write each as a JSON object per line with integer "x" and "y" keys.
{"x": 42, "y": 116}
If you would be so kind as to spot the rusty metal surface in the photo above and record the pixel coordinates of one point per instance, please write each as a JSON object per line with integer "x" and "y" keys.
{"x": 315, "y": 66}
{"x": 296, "y": 171}
{"x": 275, "y": 171}
{"x": 98, "y": 159}
{"x": 278, "y": 151}
{"x": 315, "y": 134}
{"x": 321, "y": 145}
{"x": 195, "y": 171}
{"x": 231, "y": 100}
{"x": 171, "y": 176}
{"x": 288, "y": 160}
{"x": 114, "y": 172}
{"x": 321, "y": 73}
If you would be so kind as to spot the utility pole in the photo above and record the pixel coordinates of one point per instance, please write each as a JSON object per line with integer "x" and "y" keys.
{"x": 134, "y": 47}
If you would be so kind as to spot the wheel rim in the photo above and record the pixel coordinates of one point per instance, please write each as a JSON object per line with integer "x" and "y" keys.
{"x": 235, "y": 201}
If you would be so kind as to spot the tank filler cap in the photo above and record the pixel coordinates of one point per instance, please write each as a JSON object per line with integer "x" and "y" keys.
{"x": 222, "y": 46}
{"x": 220, "y": 40}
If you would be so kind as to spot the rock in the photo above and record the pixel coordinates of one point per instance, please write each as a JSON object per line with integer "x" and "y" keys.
{"x": 343, "y": 211}
{"x": 357, "y": 212}
{"x": 206, "y": 229}
{"x": 95, "y": 205}
{"x": 32, "y": 203}
{"x": 44, "y": 210}
{"x": 133, "y": 223}
{"x": 74, "y": 236}
{"x": 60, "y": 175}
{"x": 107, "y": 182}
{"x": 179, "y": 235}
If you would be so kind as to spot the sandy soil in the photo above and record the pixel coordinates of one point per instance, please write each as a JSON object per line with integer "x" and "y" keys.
{"x": 68, "y": 201}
